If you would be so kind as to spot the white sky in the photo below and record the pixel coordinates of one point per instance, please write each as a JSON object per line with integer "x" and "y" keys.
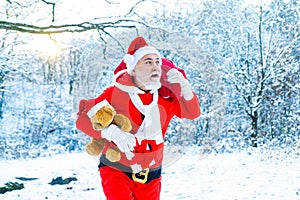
{"x": 76, "y": 11}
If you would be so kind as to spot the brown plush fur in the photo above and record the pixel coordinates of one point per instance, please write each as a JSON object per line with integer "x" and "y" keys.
{"x": 123, "y": 122}
{"x": 103, "y": 118}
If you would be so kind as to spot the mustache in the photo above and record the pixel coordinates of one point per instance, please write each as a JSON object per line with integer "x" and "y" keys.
{"x": 154, "y": 73}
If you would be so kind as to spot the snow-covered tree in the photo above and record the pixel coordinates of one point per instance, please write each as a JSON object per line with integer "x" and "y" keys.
{"x": 281, "y": 44}
{"x": 256, "y": 47}
{"x": 248, "y": 43}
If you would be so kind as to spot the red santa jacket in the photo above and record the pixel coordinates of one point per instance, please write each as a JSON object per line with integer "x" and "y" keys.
{"x": 170, "y": 104}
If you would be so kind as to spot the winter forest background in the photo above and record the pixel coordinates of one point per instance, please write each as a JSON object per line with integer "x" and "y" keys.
{"x": 241, "y": 57}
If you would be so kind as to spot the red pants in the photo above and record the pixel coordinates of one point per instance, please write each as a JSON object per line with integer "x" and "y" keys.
{"x": 118, "y": 186}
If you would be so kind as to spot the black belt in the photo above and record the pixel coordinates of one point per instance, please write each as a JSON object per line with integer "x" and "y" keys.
{"x": 144, "y": 176}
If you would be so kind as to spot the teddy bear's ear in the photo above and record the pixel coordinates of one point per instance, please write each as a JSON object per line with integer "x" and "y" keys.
{"x": 103, "y": 117}
{"x": 109, "y": 110}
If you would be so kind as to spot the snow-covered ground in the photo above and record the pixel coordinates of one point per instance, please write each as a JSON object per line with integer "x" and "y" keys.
{"x": 256, "y": 174}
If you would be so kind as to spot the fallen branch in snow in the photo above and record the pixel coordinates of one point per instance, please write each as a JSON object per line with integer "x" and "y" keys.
{"x": 60, "y": 181}
{"x": 10, "y": 186}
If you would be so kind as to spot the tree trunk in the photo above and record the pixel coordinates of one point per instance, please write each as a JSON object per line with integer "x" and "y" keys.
{"x": 254, "y": 124}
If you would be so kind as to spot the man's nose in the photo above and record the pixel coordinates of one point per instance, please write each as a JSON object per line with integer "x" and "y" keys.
{"x": 156, "y": 66}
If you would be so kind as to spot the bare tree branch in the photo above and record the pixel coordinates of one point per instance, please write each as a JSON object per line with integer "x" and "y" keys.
{"x": 137, "y": 3}
{"x": 53, "y": 8}
{"x": 134, "y": 6}
{"x": 93, "y": 24}
{"x": 109, "y": 2}
{"x": 81, "y": 27}
{"x": 54, "y": 40}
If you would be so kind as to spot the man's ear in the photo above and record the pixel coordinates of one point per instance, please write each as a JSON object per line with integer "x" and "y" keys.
{"x": 133, "y": 73}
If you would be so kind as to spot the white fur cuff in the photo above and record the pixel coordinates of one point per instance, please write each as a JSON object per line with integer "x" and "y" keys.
{"x": 96, "y": 107}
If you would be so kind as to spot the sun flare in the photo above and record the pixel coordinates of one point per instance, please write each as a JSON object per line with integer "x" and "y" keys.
{"x": 47, "y": 47}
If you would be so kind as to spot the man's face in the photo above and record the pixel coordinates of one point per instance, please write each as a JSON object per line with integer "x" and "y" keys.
{"x": 147, "y": 72}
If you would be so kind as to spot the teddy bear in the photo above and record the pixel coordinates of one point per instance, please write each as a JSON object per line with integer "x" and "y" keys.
{"x": 105, "y": 116}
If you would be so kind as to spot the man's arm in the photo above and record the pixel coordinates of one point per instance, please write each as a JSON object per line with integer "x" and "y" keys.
{"x": 188, "y": 101}
{"x": 188, "y": 109}
{"x": 87, "y": 108}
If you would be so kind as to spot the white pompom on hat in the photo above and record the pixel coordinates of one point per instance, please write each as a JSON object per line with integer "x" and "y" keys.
{"x": 136, "y": 50}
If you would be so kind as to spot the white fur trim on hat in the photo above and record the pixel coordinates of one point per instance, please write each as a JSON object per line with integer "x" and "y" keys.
{"x": 132, "y": 60}
{"x": 96, "y": 107}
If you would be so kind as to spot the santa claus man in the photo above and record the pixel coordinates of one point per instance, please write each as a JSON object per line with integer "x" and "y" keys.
{"x": 150, "y": 91}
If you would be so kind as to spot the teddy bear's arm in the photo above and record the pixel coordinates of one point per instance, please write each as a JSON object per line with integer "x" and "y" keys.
{"x": 123, "y": 122}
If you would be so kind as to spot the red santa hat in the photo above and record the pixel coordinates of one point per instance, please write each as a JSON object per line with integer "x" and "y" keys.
{"x": 136, "y": 50}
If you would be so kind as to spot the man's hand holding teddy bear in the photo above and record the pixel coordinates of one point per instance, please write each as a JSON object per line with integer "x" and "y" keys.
{"x": 112, "y": 125}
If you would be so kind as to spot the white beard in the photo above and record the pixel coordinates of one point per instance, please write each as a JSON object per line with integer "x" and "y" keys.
{"x": 152, "y": 86}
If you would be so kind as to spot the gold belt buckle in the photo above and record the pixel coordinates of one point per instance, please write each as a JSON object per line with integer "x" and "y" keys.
{"x": 141, "y": 177}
